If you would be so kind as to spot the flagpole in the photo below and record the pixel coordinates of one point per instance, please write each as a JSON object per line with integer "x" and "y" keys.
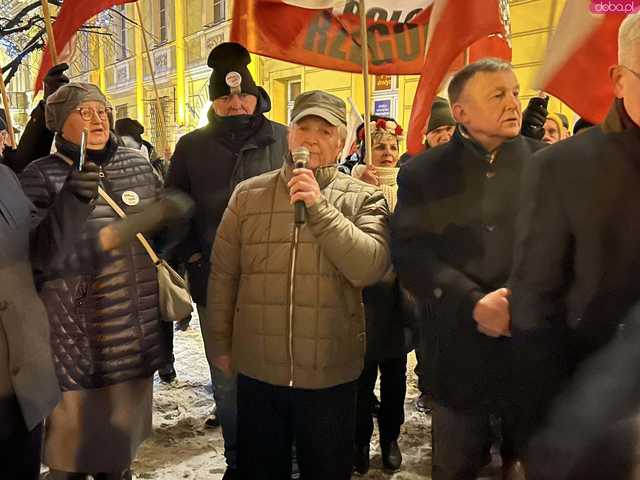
{"x": 7, "y": 112}
{"x": 159, "y": 113}
{"x": 552, "y": 16}
{"x": 51, "y": 41}
{"x": 364, "y": 43}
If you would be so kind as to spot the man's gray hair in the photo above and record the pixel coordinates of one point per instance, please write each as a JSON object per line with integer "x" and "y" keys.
{"x": 628, "y": 35}
{"x": 342, "y": 130}
{"x": 462, "y": 77}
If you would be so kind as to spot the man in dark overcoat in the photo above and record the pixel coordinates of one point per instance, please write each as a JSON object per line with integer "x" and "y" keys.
{"x": 575, "y": 272}
{"x": 452, "y": 240}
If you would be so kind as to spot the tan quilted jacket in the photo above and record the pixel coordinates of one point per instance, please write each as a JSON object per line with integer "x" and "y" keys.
{"x": 309, "y": 332}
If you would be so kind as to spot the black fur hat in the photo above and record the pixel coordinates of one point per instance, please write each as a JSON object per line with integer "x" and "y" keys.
{"x": 230, "y": 74}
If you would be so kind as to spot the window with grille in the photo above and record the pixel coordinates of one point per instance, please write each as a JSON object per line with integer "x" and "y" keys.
{"x": 85, "y": 52}
{"x": 154, "y": 123}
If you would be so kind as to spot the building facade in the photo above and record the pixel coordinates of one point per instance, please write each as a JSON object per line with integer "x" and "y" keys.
{"x": 180, "y": 35}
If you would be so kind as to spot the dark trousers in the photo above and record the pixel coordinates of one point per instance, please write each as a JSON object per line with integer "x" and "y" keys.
{"x": 461, "y": 441}
{"x": 393, "y": 387}
{"x": 168, "y": 331}
{"x": 271, "y": 417}
{"x": 20, "y": 454}
{"x": 424, "y": 347}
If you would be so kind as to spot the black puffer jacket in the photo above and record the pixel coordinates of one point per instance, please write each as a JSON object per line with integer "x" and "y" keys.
{"x": 103, "y": 310}
{"x": 207, "y": 165}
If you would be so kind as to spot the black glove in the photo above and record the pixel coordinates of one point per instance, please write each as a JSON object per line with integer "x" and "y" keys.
{"x": 55, "y": 79}
{"x": 534, "y": 116}
{"x": 84, "y": 184}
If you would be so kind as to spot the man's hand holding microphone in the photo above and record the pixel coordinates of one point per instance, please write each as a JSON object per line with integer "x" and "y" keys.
{"x": 303, "y": 187}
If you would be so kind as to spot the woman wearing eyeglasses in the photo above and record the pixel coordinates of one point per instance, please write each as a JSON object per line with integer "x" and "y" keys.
{"x": 106, "y": 334}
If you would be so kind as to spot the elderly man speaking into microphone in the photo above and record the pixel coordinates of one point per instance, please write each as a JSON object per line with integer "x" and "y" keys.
{"x": 285, "y": 300}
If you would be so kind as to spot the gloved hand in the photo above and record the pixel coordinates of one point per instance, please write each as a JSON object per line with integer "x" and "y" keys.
{"x": 55, "y": 79}
{"x": 534, "y": 116}
{"x": 84, "y": 184}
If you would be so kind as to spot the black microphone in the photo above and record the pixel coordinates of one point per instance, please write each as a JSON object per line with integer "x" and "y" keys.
{"x": 300, "y": 159}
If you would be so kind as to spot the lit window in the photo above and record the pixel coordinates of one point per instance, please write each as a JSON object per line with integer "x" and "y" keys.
{"x": 218, "y": 11}
{"x": 294, "y": 87}
{"x": 164, "y": 33}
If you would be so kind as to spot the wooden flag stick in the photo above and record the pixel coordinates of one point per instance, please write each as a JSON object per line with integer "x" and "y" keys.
{"x": 7, "y": 112}
{"x": 552, "y": 15}
{"x": 159, "y": 113}
{"x": 51, "y": 41}
{"x": 364, "y": 45}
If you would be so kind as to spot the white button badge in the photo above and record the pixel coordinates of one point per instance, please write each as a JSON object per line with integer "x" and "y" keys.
{"x": 130, "y": 198}
{"x": 234, "y": 80}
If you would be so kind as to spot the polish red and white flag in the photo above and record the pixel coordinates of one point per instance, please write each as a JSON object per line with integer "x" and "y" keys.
{"x": 482, "y": 26}
{"x": 326, "y": 33}
{"x": 576, "y": 66}
{"x": 71, "y": 16}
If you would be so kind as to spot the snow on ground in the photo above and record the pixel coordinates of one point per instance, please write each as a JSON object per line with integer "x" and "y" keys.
{"x": 181, "y": 448}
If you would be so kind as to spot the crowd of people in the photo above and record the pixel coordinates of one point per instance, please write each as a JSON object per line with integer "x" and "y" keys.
{"x": 504, "y": 254}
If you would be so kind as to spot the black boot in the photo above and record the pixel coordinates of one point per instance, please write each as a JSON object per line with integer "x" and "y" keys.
{"x": 167, "y": 373}
{"x": 361, "y": 459}
{"x": 391, "y": 455}
{"x": 424, "y": 403}
{"x": 230, "y": 474}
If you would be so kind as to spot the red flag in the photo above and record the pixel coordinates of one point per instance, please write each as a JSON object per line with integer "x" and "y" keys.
{"x": 576, "y": 67}
{"x": 72, "y": 15}
{"x": 326, "y": 33}
{"x": 482, "y": 25}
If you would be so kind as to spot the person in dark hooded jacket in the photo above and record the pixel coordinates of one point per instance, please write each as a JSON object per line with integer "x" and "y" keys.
{"x": 238, "y": 143}
{"x": 37, "y": 139}
{"x": 130, "y": 132}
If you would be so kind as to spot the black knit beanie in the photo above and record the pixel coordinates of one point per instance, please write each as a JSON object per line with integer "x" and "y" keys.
{"x": 230, "y": 74}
